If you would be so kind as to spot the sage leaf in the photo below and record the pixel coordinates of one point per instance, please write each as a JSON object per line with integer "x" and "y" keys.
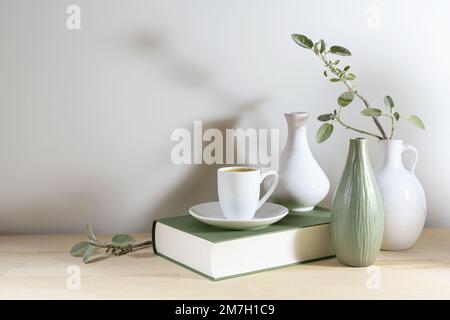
{"x": 79, "y": 248}
{"x": 389, "y": 102}
{"x": 123, "y": 239}
{"x": 324, "y": 132}
{"x": 346, "y": 98}
{"x": 371, "y": 112}
{"x": 396, "y": 115}
{"x": 325, "y": 73}
{"x": 336, "y": 62}
{"x": 88, "y": 253}
{"x": 325, "y": 117}
{"x": 322, "y": 46}
{"x": 340, "y": 51}
{"x": 316, "y": 48}
{"x": 90, "y": 233}
{"x": 95, "y": 243}
{"x": 334, "y": 79}
{"x": 347, "y": 77}
{"x": 415, "y": 120}
{"x": 302, "y": 41}
{"x": 346, "y": 68}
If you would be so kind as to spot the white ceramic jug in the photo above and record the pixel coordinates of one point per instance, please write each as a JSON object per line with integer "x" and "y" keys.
{"x": 302, "y": 183}
{"x": 403, "y": 197}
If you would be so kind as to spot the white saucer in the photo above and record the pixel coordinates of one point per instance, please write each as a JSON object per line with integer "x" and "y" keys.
{"x": 210, "y": 213}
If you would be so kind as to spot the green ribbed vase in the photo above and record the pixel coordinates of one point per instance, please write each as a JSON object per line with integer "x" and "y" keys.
{"x": 357, "y": 217}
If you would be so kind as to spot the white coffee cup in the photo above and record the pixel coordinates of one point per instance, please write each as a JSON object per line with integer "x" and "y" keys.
{"x": 238, "y": 189}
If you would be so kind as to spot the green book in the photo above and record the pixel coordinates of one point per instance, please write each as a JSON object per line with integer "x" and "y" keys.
{"x": 219, "y": 254}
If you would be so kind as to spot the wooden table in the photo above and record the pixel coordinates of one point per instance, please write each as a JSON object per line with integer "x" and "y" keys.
{"x": 40, "y": 267}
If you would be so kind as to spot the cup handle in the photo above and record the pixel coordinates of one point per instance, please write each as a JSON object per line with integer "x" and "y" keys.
{"x": 272, "y": 187}
{"x": 408, "y": 147}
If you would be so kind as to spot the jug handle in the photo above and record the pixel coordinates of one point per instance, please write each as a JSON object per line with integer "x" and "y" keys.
{"x": 408, "y": 147}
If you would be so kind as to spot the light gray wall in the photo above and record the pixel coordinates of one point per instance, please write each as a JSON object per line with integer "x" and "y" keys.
{"x": 86, "y": 115}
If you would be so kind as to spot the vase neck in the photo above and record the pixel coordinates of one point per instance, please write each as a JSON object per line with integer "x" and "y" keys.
{"x": 296, "y": 123}
{"x": 358, "y": 153}
{"x": 392, "y": 153}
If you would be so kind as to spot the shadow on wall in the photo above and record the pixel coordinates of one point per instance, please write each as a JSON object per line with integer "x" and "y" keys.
{"x": 67, "y": 203}
{"x": 200, "y": 184}
{"x": 155, "y": 47}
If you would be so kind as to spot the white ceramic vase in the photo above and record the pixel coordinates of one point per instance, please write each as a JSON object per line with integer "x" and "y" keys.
{"x": 302, "y": 183}
{"x": 404, "y": 200}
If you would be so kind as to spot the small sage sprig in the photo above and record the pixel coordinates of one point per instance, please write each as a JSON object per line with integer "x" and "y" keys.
{"x": 119, "y": 245}
{"x": 335, "y": 73}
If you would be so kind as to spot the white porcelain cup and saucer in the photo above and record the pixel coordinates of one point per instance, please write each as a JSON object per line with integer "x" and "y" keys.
{"x": 240, "y": 206}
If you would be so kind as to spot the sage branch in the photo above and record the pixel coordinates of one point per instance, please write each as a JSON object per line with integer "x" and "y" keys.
{"x": 119, "y": 245}
{"x": 335, "y": 73}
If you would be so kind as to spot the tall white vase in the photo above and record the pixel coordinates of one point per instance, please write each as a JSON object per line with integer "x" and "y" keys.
{"x": 302, "y": 183}
{"x": 404, "y": 200}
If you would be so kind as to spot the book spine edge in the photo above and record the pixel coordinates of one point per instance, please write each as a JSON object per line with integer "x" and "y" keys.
{"x": 154, "y": 237}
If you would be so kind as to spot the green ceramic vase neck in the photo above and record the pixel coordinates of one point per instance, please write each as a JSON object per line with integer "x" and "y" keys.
{"x": 357, "y": 152}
